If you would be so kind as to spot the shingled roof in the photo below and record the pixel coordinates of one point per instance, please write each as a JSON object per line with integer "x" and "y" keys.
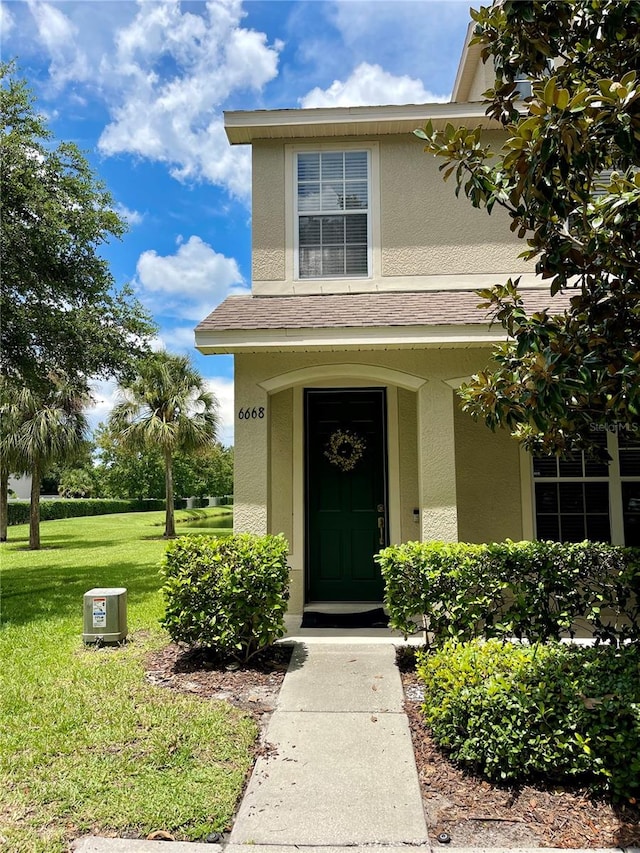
{"x": 360, "y": 310}
{"x": 339, "y": 322}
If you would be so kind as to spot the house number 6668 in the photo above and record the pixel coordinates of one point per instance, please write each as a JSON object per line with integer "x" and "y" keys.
{"x": 248, "y": 414}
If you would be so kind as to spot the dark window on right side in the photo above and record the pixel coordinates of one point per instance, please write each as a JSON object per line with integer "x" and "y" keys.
{"x": 572, "y": 498}
{"x": 629, "y": 460}
{"x": 580, "y": 498}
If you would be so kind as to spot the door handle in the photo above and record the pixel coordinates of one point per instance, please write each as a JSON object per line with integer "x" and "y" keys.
{"x": 381, "y": 528}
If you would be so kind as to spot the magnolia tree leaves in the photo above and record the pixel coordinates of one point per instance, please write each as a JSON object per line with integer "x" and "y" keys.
{"x": 568, "y": 175}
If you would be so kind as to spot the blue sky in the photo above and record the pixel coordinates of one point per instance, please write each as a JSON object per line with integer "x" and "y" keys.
{"x": 141, "y": 88}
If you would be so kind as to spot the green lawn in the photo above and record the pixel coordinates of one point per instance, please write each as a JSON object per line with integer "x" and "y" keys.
{"x": 86, "y": 744}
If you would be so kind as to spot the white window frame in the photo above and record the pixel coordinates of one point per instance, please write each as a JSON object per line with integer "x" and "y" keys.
{"x": 291, "y": 203}
{"x": 614, "y": 480}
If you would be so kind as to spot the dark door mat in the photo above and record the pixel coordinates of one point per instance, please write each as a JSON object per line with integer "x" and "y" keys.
{"x": 367, "y": 619}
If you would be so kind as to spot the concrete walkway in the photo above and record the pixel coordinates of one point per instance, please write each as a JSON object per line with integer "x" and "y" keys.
{"x": 341, "y": 771}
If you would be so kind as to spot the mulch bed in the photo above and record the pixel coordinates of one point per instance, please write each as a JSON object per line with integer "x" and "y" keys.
{"x": 253, "y": 686}
{"x": 472, "y": 811}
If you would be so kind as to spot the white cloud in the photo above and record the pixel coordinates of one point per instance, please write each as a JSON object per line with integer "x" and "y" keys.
{"x": 105, "y": 395}
{"x": 189, "y": 284}
{"x": 59, "y": 35}
{"x": 179, "y": 339}
{"x": 7, "y": 21}
{"x": 171, "y": 72}
{"x": 223, "y": 390}
{"x": 417, "y": 38}
{"x": 132, "y": 217}
{"x": 369, "y": 85}
{"x": 165, "y": 70}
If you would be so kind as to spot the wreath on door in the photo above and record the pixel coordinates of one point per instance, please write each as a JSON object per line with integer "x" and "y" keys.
{"x": 345, "y": 449}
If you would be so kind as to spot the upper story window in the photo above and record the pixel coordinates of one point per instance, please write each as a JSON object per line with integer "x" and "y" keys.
{"x": 333, "y": 222}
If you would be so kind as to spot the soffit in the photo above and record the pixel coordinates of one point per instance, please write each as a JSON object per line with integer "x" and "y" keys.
{"x": 243, "y": 127}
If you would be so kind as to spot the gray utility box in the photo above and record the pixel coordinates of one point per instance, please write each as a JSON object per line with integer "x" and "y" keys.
{"x": 105, "y": 615}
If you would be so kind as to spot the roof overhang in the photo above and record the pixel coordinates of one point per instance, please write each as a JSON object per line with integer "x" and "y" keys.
{"x": 244, "y": 127}
{"x": 469, "y": 61}
{"x": 231, "y": 341}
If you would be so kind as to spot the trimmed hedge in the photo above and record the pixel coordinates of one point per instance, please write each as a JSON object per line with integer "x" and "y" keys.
{"x": 227, "y": 595}
{"x": 553, "y": 712}
{"x": 537, "y": 590}
{"x": 18, "y": 511}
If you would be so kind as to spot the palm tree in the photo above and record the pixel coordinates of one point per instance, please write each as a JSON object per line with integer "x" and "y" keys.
{"x": 10, "y": 419}
{"x": 51, "y": 428}
{"x": 169, "y": 407}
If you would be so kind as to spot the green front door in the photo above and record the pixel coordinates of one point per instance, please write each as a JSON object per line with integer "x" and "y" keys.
{"x": 346, "y": 493}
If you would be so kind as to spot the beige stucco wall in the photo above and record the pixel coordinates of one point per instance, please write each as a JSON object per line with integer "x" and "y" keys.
{"x": 427, "y": 238}
{"x": 488, "y": 482}
{"x": 268, "y": 223}
{"x": 426, "y": 230}
{"x": 484, "y": 79}
{"x": 269, "y": 481}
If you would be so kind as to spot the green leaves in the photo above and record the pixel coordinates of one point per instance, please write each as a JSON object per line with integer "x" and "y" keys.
{"x": 554, "y": 712}
{"x": 59, "y": 306}
{"x": 533, "y": 590}
{"x": 568, "y": 177}
{"x": 167, "y": 407}
{"x": 228, "y": 595}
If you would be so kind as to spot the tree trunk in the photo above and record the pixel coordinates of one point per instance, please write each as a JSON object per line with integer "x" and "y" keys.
{"x": 170, "y": 522}
{"x": 34, "y": 511}
{"x": 4, "y": 503}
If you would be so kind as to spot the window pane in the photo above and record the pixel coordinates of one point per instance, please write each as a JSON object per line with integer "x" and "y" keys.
{"x": 309, "y": 230}
{"x": 595, "y": 469}
{"x": 357, "y": 228}
{"x": 571, "y": 498}
{"x": 333, "y": 166}
{"x": 329, "y": 181}
{"x": 571, "y": 467}
{"x": 546, "y": 497}
{"x": 308, "y": 167}
{"x": 572, "y": 528}
{"x": 356, "y": 260}
{"x": 598, "y": 528}
{"x": 356, "y": 195}
{"x": 629, "y": 453}
{"x": 631, "y": 513}
{"x": 596, "y": 497}
{"x": 311, "y": 262}
{"x": 333, "y": 260}
{"x": 548, "y": 528}
{"x": 333, "y": 196}
{"x": 333, "y": 230}
{"x": 545, "y": 466}
{"x": 355, "y": 165}
{"x": 309, "y": 197}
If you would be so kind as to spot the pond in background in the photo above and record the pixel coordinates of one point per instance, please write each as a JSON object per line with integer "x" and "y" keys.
{"x": 211, "y": 522}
